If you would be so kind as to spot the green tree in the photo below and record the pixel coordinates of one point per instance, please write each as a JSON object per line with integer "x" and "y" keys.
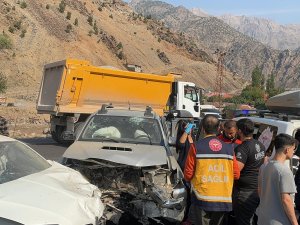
{"x": 257, "y": 78}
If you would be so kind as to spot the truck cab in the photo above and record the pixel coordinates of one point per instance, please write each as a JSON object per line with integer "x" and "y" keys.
{"x": 186, "y": 96}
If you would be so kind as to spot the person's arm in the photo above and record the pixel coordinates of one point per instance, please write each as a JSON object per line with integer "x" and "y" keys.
{"x": 289, "y": 208}
{"x": 240, "y": 165}
{"x": 190, "y": 164}
{"x": 236, "y": 171}
{"x": 183, "y": 138}
{"x": 260, "y": 180}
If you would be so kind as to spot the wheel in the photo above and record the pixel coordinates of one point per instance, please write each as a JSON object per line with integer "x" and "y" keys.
{"x": 57, "y": 135}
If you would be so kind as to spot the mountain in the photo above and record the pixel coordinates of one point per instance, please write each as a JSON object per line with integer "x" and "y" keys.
{"x": 243, "y": 53}
{"x": 103, "y": 32}
{"x": 199, "y": 12}
{"x": 266, "y": 31}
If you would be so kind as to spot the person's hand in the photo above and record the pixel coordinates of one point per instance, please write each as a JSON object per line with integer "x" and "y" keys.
{"x": 189, "y": 127}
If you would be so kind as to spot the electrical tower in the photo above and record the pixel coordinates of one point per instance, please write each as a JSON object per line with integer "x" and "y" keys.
{"x": 220, "y": 76}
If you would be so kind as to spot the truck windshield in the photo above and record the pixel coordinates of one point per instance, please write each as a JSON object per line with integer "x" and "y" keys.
{"x": 137, "y": 130}
{"x": 190, "y": 93}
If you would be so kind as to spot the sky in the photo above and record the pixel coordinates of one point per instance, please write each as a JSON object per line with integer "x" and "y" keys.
{"x": 280, "y": 11}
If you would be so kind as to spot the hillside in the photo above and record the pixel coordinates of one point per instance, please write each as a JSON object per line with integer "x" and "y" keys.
{"x": 266, "y": 31}
{"x": 244, "y": 53}
{"x": 107, "y": 33}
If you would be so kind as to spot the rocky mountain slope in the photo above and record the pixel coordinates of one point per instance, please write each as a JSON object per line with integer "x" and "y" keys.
{"x": 103, "y": 32}
{"x": 266, "y": 31}
{"x": 243, "y": 53}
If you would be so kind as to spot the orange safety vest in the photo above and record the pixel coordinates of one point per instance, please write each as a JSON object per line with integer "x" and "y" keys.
{"x": 213, "y": 178}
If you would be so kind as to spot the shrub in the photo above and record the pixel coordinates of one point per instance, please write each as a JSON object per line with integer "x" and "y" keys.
{"x": 47, "y": 6}
{"x": 91, "y": 33}
{"x": 62, "y": 6}
{"x": 5, "y": 42}
{"x": 23, "y": 33}
{"x": 119, "y": 46}
{"x": 17, "y": 24}
{"x": 68, "y": 15}
{"x": 120, "y": 55}
{"x": 13, "y": 8}
{"x": 76, "y": 22}
{"x": 23, "y": 5}
{"x": 3, "y": 83}
{"x": 100, "y": 8}
{"x": 11, "y": 29}
{"x": 111, "y": 16}
{"x": 90, "y": 20}
{"x": 96, "y": 28}
{"x": 69, "y": 28}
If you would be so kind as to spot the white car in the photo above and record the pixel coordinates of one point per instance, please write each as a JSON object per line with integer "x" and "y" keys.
{"x": 36, "y": 191}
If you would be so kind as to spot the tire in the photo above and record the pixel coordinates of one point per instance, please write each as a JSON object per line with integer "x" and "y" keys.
{"x": 57, "y": 135}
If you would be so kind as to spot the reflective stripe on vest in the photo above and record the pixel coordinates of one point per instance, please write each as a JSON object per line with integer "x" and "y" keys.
{"x": 213, "y": 178}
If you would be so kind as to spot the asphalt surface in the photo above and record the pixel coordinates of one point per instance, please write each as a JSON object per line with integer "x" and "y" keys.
{"x": 46, "y": 147}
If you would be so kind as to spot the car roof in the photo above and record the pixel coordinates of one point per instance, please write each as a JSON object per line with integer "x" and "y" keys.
{"x": 5, "y": 138}
{"x": 283, "y": 126}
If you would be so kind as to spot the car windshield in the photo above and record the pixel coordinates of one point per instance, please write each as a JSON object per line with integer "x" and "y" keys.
{"x": 18, "y": 160}
{"x": 137, "y": 130}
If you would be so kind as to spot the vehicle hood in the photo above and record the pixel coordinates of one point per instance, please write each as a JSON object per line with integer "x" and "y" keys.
{"x": 57, "y": 195}
{"x": 138, "y": 155}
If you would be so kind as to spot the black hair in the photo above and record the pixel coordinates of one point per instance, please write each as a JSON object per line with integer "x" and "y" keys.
{"x": 210, "y": 124}
{"x": 230, "y": 124}
{"x": 246, "y": 126}
{"x": 284, "y": 140}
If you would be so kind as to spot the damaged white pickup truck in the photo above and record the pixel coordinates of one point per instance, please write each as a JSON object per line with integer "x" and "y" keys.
{"x": 125, "y": 153}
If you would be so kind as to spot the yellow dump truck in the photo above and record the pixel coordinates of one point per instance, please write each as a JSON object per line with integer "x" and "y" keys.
{"x": 73, "y": 89}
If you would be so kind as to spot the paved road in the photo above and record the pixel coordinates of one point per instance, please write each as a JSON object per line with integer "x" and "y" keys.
{"x": 46, "y": 147}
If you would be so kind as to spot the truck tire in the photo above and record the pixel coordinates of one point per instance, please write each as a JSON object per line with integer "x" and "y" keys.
{"x": 57, "y": 134}
{"x": 54, "y": 136}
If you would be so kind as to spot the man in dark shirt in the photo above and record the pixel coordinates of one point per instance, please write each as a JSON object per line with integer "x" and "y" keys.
{"x": 250, "y": 156}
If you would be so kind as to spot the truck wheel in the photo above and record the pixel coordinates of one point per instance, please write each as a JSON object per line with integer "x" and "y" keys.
{"x": 57, "y": 134}
{"x": 54, "y": 136}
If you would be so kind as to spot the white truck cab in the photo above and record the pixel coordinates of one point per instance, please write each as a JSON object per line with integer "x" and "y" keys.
{"x": 187, "y": 97}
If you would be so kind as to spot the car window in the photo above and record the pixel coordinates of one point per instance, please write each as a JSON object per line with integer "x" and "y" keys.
{"x": 122, "y": 129}
{"x": 18, "y": 160}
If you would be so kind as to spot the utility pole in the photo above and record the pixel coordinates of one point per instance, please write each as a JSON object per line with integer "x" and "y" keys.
{"x": 220, "y": 75}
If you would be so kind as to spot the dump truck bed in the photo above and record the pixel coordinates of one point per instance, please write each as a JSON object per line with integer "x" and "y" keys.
{"x": 75, "y": 86}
